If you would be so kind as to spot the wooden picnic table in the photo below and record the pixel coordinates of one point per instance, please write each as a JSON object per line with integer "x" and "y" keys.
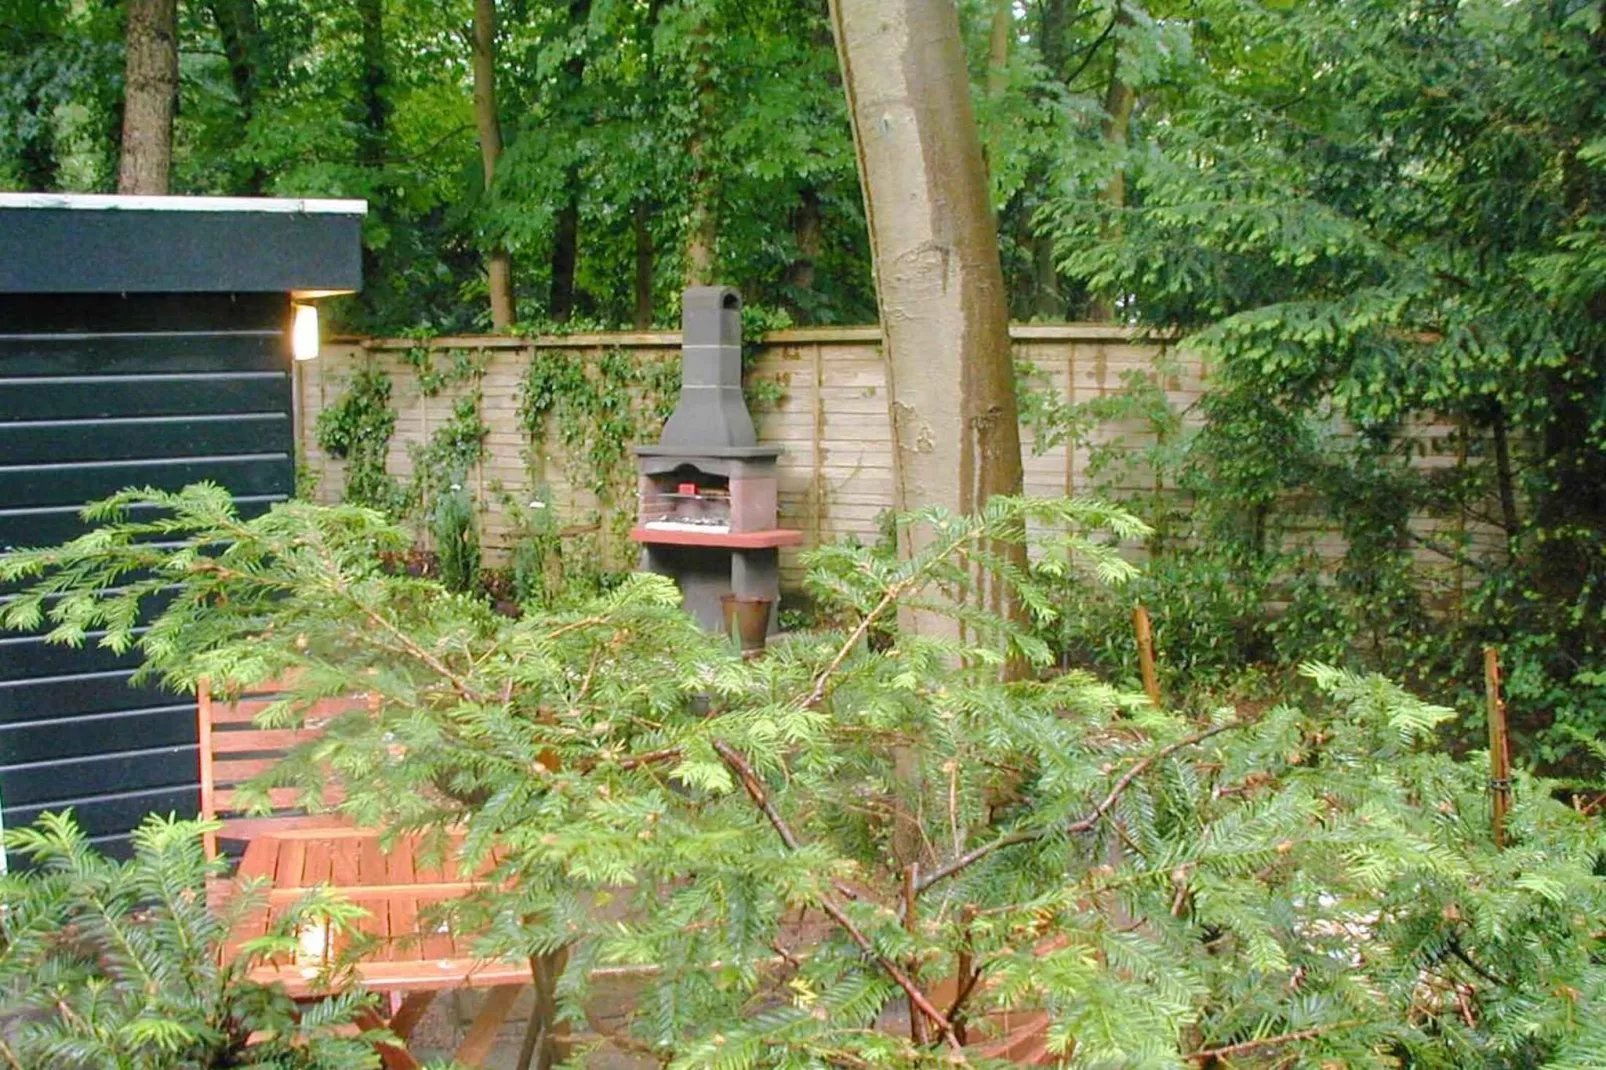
{"x": 414, "y": 955}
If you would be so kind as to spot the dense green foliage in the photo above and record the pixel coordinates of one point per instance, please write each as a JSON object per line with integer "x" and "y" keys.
{"x": 120, "y": 964}
{"x": 1370, "y": 216}
{"x": 1380, "y": 223}
{"x": 1295, "y": 884}
{"x": 616, "y": 118}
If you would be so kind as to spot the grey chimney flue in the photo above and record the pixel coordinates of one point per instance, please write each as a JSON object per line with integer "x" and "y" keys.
{"x": 711, "y": 412}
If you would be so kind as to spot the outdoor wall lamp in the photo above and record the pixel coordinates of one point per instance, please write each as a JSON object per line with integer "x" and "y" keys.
{"x": 304, "y": 331}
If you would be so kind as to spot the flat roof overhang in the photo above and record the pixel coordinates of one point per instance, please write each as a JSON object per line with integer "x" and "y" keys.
{"x": 54, "y": 243}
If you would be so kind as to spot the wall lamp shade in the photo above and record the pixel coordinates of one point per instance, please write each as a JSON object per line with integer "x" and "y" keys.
{"x": 304, "y": 332}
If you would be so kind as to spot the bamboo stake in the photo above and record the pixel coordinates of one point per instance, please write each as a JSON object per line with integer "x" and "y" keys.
{"x": 1151, "y": 679}
{"x": 1499, "y": 747}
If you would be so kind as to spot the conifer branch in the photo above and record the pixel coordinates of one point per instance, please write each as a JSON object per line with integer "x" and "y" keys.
{"x": 854, "y": 638}
{"x": 1083, "y": 824}
{"x": 1266, "y": 1042}
{"x": 755, "y": 791}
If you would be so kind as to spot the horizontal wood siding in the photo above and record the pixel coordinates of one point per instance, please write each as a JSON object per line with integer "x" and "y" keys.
{"x": 98, "y": 393}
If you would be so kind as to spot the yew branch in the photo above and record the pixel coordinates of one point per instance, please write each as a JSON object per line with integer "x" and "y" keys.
{"x": 1265, "y": 1042}
{"x": 1083, "y": 824}
{"x": 738, "y": 764}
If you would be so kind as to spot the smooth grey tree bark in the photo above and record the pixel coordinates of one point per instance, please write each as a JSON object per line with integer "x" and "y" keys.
{"x": 934, "y": 241}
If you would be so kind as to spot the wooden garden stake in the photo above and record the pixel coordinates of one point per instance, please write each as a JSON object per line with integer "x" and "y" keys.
{"x": 1499, "y": 746}
{"x": 1151, "y": 679}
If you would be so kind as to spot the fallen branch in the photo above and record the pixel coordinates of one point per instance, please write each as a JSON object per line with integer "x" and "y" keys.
{"x": 754, "y": 787}
{"x": 1083, "y": 824}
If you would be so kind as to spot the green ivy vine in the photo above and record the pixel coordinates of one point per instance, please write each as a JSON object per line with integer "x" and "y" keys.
{"x": 357, "y": 430}
{"x": 599, "y": 409}
{"x": 443, "y": 463}
{"x": 436, "y": 369}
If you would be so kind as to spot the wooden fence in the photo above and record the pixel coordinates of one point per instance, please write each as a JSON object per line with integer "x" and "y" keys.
{"x": 830, "y": 420}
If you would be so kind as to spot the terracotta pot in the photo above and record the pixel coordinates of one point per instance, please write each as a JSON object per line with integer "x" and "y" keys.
{"x": 749, "y": 619}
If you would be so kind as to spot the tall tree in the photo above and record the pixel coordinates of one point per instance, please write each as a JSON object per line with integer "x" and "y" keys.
{"x": 702, "y": 227}
{"x": 150, "y": 93}
{"x": 240, "y": 30}
{"x": 1119, "y": 99}
{"x": 566, "y": 231}
{"x": 939, "y": 282}
{"x": 373, "y": 80}
{"x": 498, "y": 262}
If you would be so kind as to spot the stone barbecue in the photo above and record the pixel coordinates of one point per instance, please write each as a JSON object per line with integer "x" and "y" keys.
{"x": 708, "y": 489}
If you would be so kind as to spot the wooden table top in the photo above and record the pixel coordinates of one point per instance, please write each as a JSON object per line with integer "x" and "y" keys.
{"x": 411, "y": 948}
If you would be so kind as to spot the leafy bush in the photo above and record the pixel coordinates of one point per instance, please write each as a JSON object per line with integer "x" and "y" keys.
{"x": 120, "y": 964}
{"x": 803, "y": 850}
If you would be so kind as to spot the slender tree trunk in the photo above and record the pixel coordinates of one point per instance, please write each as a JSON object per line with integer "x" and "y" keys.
{"x": 939, "y": 283}
{"x": 1053, "y": 16}
{"x": 702, "y": 229}
{"x": 566, "y": 233}
{"x": 1048, "y": 301}
{"x": 565, "y": 250}
{"x": 150, "y": 94}
{"x": 641, "y": 219}
{"x": 36, "y": 156}
{"x": 1119, "y": 100}
{"x": 1003, "y": 31}
{"x": 241, "y": 33}
{"x": 1505, "y": 481}
{"x": 373, "y": 84}
{"x": 806, "y": 232}
{"x": 498, "y": 264}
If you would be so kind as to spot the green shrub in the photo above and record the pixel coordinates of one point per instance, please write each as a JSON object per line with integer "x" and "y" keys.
{"x": 455, "y": 528}
{"x": 797, "y": 847}
{"x": 120, "y": 964}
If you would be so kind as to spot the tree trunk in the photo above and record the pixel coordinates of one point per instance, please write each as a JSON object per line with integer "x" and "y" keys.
{"x": 565, "y": 251}
{"x": 566, "y": 232}
{"x": 645, "y": 262}
{"x": 1118, "y": 102}
{"x": 1003, "y": 31}
{"x": 241, "y": 33}
{"x": 934, "y": 242}
{"x": 150, "y": 93}
{"x": 498, "y": 264}
{"x": 806, "y": 232}
{"x": 1048, "y": 301}
{"x": 373, "y": 79}
{"x": 702, "y": 227}
{"x": 37, "y": 165}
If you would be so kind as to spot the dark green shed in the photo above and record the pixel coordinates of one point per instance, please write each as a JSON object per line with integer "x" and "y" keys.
{"x": 143, "y": 341}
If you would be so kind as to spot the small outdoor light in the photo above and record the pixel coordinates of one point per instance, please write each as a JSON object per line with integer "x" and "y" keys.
{"x": 313, "y": 946}
{"x": 304, "y": 332}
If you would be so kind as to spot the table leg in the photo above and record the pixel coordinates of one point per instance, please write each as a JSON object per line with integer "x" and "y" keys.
{"x": 408, "y": 1014}
{"x": 392, "y": 1057}
{"x": 482, "y": 1034}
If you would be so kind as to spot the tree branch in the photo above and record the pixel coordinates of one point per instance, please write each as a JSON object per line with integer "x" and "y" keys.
{"x": 1084, "y": 824}
{"x": 1265, "y": 1042}
{"x": 754, "y": 787}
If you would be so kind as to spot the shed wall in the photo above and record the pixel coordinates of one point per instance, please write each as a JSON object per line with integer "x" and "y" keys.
{"x": 98, "y": 393}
